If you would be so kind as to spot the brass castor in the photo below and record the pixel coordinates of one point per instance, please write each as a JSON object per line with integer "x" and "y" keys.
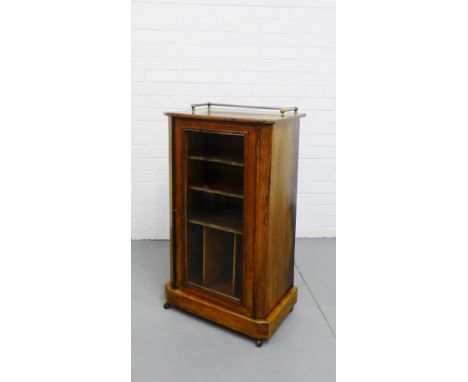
{"x": 258, "y": 343}
{"x": 167, "y": 305}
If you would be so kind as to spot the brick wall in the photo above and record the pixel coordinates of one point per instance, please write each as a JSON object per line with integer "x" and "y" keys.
{"x": 258, "y": 52}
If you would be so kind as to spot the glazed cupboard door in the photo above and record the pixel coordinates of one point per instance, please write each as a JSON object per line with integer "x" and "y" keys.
{"x": 214, "y": 173}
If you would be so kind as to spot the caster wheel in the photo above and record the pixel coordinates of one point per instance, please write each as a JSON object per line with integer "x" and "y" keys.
{"x": 258, "y": 343}
{"x": 167, "y": 305}
{"x": 290, "y": 311}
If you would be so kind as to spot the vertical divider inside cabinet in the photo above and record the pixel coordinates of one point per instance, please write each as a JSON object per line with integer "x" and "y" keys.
{"x": 204, "y": 259}
{"x": 234, "y": 260}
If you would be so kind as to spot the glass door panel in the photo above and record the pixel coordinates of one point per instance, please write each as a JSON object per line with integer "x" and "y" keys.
{"x": 214, "y": 191}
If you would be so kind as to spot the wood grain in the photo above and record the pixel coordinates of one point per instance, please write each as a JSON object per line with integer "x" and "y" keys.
{"x": 255, "y": 328}
{"x": 248, "y": 263}
{"x": 262, "y": 197}
{"x": 279, "y": 264}
{"x": 172, "y": 230}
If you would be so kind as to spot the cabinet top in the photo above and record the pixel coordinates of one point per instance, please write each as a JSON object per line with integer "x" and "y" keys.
{"x": 206, "y": 111}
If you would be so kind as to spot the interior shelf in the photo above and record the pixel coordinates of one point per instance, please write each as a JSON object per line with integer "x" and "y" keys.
{"x": 225, "y": 159}
{"x": 229, "y": 221}
{"x": 214, "y": 147}
{"x": 219, "y": 188}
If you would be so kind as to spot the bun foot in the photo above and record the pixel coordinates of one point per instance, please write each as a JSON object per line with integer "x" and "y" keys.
{"x": 167, "y": 305}
{"x": 258, "y": 343}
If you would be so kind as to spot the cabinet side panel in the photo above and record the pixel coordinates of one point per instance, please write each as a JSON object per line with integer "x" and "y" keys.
{"x": 171, "y": 203}
{"x": 262, "y": 193}
{"x": 279, "y": 267}
{"x": 178, "y": 174}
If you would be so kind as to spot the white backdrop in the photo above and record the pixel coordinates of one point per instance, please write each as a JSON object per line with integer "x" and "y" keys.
{"x": 260, "y": 52}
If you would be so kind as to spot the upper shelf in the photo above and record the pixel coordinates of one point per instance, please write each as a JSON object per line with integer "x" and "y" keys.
{"x": 225, "y": 159}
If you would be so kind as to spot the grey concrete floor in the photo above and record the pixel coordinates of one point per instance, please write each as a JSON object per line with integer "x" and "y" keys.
{"x": 173, "y": 346}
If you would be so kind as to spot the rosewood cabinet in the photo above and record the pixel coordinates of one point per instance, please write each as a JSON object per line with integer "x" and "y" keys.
{"x": 233, "y": 214}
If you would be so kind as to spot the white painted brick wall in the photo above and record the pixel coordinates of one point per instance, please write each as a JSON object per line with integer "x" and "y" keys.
{"x": 260, "y": 52}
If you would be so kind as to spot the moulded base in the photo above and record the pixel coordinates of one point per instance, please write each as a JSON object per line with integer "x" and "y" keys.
{"x": 259, "y": 329}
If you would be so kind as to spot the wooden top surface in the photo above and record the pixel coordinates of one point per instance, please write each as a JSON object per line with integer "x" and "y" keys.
{"x": 235, "y": 116}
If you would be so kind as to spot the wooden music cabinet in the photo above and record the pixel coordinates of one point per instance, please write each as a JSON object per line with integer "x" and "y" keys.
{"x": 233, "y": 184}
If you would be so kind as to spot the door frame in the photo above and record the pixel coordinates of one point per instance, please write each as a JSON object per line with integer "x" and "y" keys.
{"x": 178, "y": 201}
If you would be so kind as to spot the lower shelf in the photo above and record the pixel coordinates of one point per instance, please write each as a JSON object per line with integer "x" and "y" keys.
{"x": 261, "y": 329}
{"x": 214, "y": 260}
{"x": 221, "y": 285}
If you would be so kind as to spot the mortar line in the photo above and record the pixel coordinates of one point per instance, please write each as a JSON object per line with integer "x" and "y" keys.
{"x": 315, "y": 300}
